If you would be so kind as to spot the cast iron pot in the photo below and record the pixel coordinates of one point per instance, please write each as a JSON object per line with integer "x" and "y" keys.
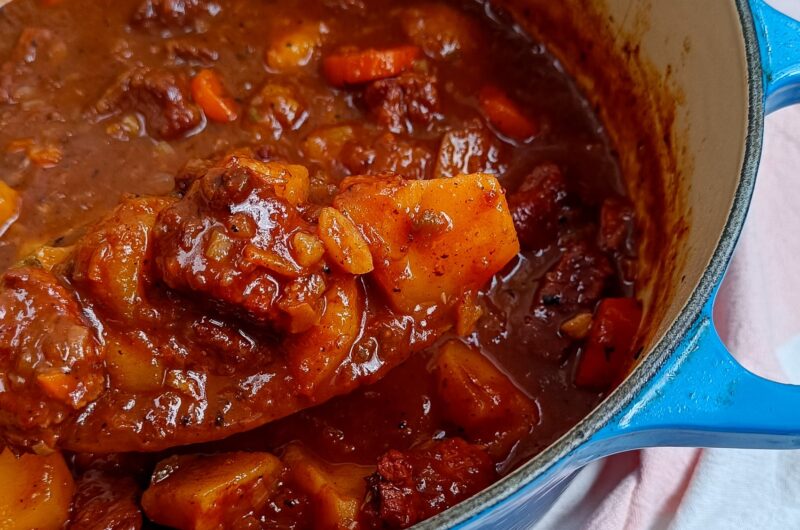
{"x": 733, "y": 61}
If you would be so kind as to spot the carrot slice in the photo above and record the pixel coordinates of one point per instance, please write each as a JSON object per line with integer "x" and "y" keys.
{"x": 608, "y": 350}
{"x": 505, "y": 115}
{"x": 357, "y": 67}
{"x": 208, "y": 92}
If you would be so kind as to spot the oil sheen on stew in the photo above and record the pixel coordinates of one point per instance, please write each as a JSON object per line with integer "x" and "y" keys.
{"x": 294, "y": 264}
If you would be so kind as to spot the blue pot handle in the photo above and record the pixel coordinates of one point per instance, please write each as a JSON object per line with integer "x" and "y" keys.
{"x": 779, "y": 40}
{"x": 702, "y": 397}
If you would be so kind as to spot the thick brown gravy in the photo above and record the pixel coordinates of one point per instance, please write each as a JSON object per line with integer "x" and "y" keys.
{"x": 79, "y": 131}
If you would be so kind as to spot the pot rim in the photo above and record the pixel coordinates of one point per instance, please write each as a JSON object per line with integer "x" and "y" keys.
{"x": 625, "y": 393}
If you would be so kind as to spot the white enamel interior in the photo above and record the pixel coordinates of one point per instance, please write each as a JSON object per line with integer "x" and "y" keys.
{"x": 701, "y": 44}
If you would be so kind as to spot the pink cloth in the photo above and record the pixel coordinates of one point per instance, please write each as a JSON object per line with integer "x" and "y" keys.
{"x": 757, "y": 316}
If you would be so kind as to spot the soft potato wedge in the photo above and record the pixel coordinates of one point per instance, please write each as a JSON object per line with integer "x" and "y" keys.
{"x": 337, "y": 490}
{"x": 35, "y": 491}
{"x": 315, "y": 355}
{"x": 479, "y": 398}
{"x": 192, "y": 492}
{"x": 295, "y": 46}
{"x": 432, "y": 240}
{"x": 9, "y": 206}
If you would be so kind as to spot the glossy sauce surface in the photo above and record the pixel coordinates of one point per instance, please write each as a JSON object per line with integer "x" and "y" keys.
{"x": 99, "y": 102}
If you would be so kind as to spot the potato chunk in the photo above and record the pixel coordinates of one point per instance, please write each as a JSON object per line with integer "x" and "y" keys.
{"x": 35, "y": 492}
{"x": 477, "y": 397}
{"x": 344, "y": 242}
{"x": 336, "y": 490}
{"x": 295, "y": 46}
{"x": 441, "y": 31}
{"x": 315, "y": 355}
{"x": 204, "y": 492}
{"x": 9, "y": 206}
{"x": 432, "y": 240}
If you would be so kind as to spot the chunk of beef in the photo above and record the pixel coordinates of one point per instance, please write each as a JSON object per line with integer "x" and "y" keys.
{"x": 106, "y": 502}
{"x": 577, "y": 280}
{"x": 471, "y": 149}
{"x": 571, "y": 287}
{"x": 389, "y": 154}
{"x": 537, "y": 206}
{"x": 50, "y": 360}
{"x": 414, "y": 485}
{"x": 183, "y": 15}
{"x": 161, "y": 96}
{"x": 231, "y": 237}
{"x": 401, "y": 102}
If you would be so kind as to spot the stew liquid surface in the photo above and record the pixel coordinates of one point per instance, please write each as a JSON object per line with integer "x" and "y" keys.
{"x": 295, "y": 264}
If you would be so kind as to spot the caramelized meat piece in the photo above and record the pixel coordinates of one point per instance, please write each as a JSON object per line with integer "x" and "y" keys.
{"x": 572, "y": 287}
{"x": 411, "y": 486}
{"x": 472, "y": 149}
{"x": 178, "y": 371}
{"x": 231, "y": 239}
{"x": 106, "y": 502}
{"x": 389, "y": 154}
{"x": 577, "y": 280}
{"x": 195, "y": 492}
{"x": 537, "y": 206}
{"x": 161, "y": 96}
{"x": 401, "y": 102}
{"x": 176, "y": 14}
{"x": 50, "y": 359}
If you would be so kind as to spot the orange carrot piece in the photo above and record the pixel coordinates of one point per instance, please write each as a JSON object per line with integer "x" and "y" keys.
{"x": 506, "y": 115}
{"x": 352, "y": 68}
{"x": 608, "y": 351}
{"x": 208, "y": 92}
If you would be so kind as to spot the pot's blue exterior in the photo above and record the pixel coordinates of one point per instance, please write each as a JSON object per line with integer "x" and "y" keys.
{"x": 699, "y": 395}
{"x": 702, "y": 396}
